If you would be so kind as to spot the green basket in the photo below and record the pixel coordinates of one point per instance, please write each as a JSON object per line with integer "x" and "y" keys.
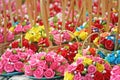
{"x": 54, "y": 78}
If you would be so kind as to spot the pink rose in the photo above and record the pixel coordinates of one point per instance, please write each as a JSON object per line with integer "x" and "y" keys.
{"x": 77, "y": 76}
{"x": 18, "y": 29}
{"x": 88, "y": 77}
{"x": 9, "y": 67}
{"x": 14, "y": 58}
{"x": 1, "y": 38}
{"x": 72, "y": 67}
{"x": 115, "y": 70}
{"x": 57, "y": 39}
{"x": 84, "y": 51}
{"x": 26, "y": 28}
{"x": 91, "y": 69}
{"x": 49, "y": 58}
{"x": 4, "y": 61}
{"x": 19, "y": 66}
{"x": 1, "y": 67}
{"x": 41, "y": 55}
{"x": 38, "y": 73}
{"x": 33, "y": 62}
{"x": 42, "y": 64}
{"x": 54, "y": 65}
{"x": 49, "y": 73}
{"x": 10, "y": 36}
{"x": 82, "y": 78}
{"x": 79, "y": 61}
{"x": 58, "y": 58}
{"x": 61, "y": 69}
{"x": 53, "y": 54}
{"x": 30, "y": 52}
{"x": 116, "y": 77}
{"x": 66, "y": 36}
{"x": 54, "y": 32}
{"x": 22, "y": 55}
{"x": 6, "y": 54}
{"x": 107, "y": 66}
{"x": 28, "y": 70}
{"x": 1, "y": 71}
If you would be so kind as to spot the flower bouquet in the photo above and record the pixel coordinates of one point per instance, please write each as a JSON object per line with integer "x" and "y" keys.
{"x": 45, "y": 66}
{"x": 69, "y": 51}
{"x": 88, "y": 68}
{"x": 24, "y": 43}
{"x": 61, "y": 37}
{"x": 13, "y": 60}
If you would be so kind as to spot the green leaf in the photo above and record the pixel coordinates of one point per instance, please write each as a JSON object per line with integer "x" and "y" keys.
{"x": 66, "y": 47}
{"x": 51, "y": 37}
{"x": 55, "y": 19}
{"x": 101, "y": 45}
{"x": 43, "y": 58}
{"x": 79, "y": 51}
{"x": 14, "y": 51}
{"x": 88, "y": 53}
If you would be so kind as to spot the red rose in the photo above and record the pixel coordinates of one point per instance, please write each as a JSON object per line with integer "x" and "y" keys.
{"x": 80, "y": 68}
{"x": 98, "y": 25}
{"x": 114, "y": 18}
{"x": 70, "y": 57}
{"x": 33, "y": 47}
{"x": 94, "y": 36}
{"x": 73, "y": 47}
{"x": 109, "y": 44}
{"x": 15, "y": 44}
{"x": 43, "y": 41}
{"x": 25, "y": 43}
{"x": 102, "y": 40}
{"x": 64, "y": 53}
{"x": 107, "y": 75}
{"x": 98, "y": 76}
{"x": 92, "y": 51}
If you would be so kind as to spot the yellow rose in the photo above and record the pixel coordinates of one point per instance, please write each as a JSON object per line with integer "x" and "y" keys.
{"x": 37, "y": 37}
{"x": 100, "y": 67}
{"x": 83, "y": 35}
{"x": 68, "y": 76}
{"x": 29, "y": 36}
{"x": 35, "y": 33}
{"x": 12, "y": 29}
{"x": 77, "y": 56}
{"x": 87, "y": 61}
{"x": 96, "y": 41}
{"x": 76, "y": 33}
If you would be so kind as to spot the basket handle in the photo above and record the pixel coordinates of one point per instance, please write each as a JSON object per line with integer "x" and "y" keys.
{"x": 99, "y": 48}
{"x": 88, "y": 39}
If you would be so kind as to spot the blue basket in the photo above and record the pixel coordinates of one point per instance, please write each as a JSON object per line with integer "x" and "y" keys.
{"x": 11, "y": 74}
{"x": 54, "y": 78}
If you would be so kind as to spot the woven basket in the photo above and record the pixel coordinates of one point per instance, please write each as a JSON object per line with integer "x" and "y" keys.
{"x": 54, "y": 48}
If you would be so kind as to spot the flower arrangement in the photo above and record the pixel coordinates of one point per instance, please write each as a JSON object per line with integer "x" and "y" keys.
{"x": 88, "y": 68}
{"x": 115, "y": 73}
{"x": 69, "y": 51}
{"x": 35, "y": 33}
{"x": 82, "y": 34}
{"x": 46, "y": 65}
{"x": 58, "y": 37}
{"x": 14, "y": 60}
{"x": 24, "y": 43}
